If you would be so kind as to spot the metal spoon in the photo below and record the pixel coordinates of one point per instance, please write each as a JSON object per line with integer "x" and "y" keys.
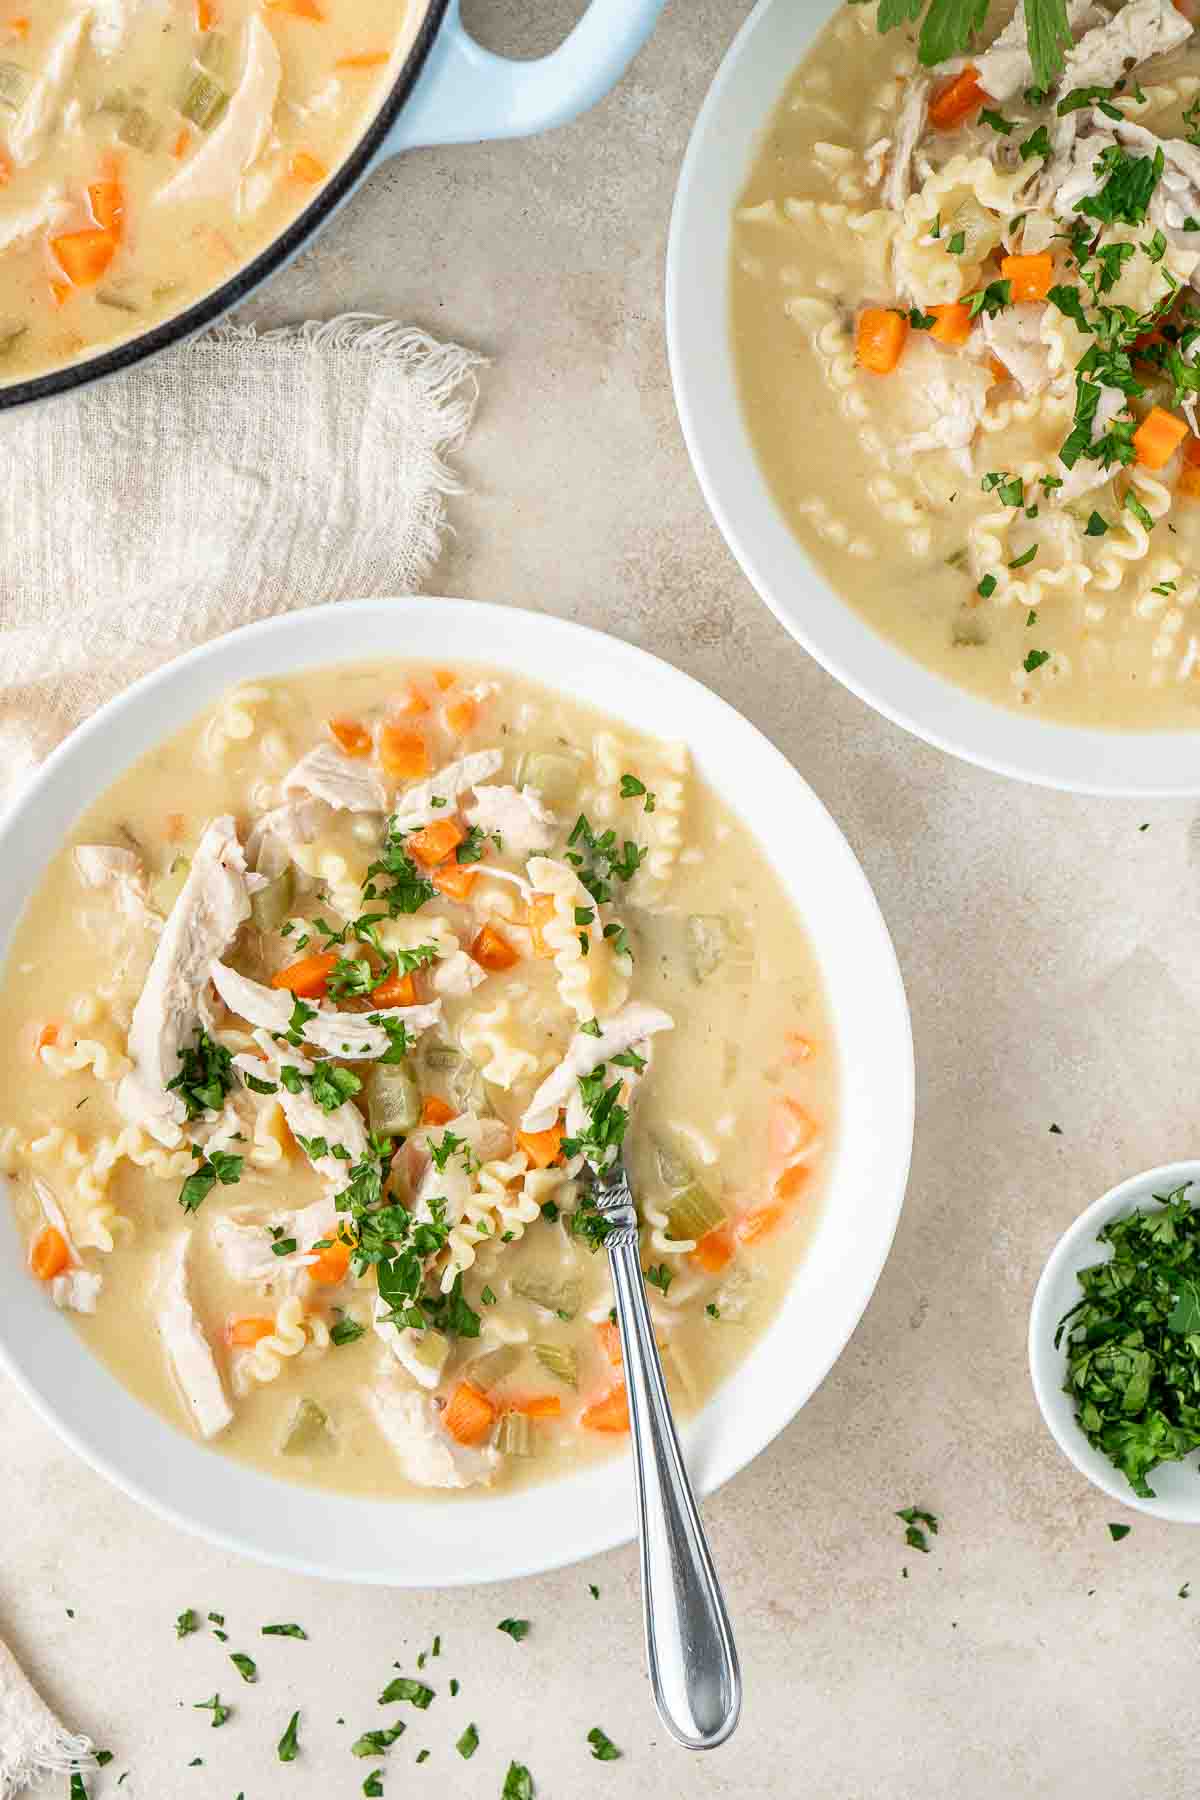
{"x": 693, "y": 1661}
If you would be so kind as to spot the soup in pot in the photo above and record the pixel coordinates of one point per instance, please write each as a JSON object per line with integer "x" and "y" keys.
{"x": 149, "y": 148}
{"x": 319, "y": 1030}
{"x": 966, "y": 326}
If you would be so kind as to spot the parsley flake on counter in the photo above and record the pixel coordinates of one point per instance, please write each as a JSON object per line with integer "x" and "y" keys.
{"x": 372, "y": 1787}
{"x": 186, "y": 1622}
{"x": 219, "y": 1713}
{"x": 468, "y": 1743}
{"x": 603, "y": 1748}
{"x": 288, "y": 1747}
{"x": 292, "y": 1631}
{"x": 518, "y": 1783}
{"x": 1133, "y": 1341}
{"x": 1056, "y": 1131}
{"x": 914, "y": 1517}
{"x": 103, "y": 1758}
{"x": 516, "y": 1628}
{"x": 1117, "y": 1532}
{"x": 404, "y": 1688}
{"x": 1185, "y": 1592}
{"x": 453, "y": 1687}
{"x": 422, "y": 1756}
{"x": 77, "y": 1789}
{"x": 593, "y": 1590}
{"x": 245, "y": 1665}
{"x": 377, "y": 1743}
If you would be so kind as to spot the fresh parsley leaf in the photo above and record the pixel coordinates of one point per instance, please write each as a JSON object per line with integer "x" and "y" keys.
{"x": 603, "y": 1748}
{"x": 372, "y": 1787}
{"x": 987, "y": 587}
{"x": 331, "y": 1086}
{"x": 472, "y": 847}
{"x": 1129, "y": 182}
{"x": 186, "y": 1622}
{"x": 660, "y": 1277}
{"x": 1134, "y": 505}
{"x": 1096, "y": 526}
{"x": 346, "y": 1331}
{"x": 1022, "y": 561}
{"x": 1037, "y": 145}
{"x": 518, "y": 1783}
{"x": 220, "y": 1166}
{"x": 915, "y": 1519}
{"x": 1117, "y": 1532}
{"x": 1081, "y": 97}
{"x": 1032, "y": 619}
{"x": 990, "y": 299}
{"x": 219, "y": 1713}
{"x": 920, "y": 322}
{"x": 260, "y": 1087}
{"x": 205, "y": 1076}
{"x": 957, "y": 244}
{"x": 292, "y": 1631}
{"x": 517, "y": 1629}
{"x": 1034, "y": 660}
{"x": 468, "y": 1743}
{"x": 377, "y": 1743}
{"x": 1070, "y": 303}
{"x": 997, "y": 121}
{"x": 245, "y": 1665}
{"x": 288, "y": 1747}
{"x": 403, "y": 1688}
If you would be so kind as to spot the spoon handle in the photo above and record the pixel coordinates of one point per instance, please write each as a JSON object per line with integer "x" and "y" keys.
{"x": 693, "y": 1661}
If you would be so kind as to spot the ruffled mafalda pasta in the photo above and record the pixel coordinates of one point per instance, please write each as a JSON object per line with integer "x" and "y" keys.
{"x": 297, "y": 1336}
{"x": 491, "y": 1037}
{"x": 643, "y": 798}
{"x": 968, "y": 196}
{"x": 592, "y": 981}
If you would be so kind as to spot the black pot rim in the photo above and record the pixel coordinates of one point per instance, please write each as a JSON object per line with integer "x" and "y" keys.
{"x": 207, "y": 310}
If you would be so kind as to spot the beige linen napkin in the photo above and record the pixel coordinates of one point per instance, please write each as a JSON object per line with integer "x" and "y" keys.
{"x": 238, "y": 476}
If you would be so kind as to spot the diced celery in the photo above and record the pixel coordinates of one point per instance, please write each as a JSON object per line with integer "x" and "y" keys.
{"x": 393, "y": 1099}
{"x": 436, "y": 1055}
{"x": 119, "y": 302}
{"x": 492, "y": 1367}
{"x": 138, "y": 129}
{"x": 308, "y": 1430}
{"x": 693, "y": 1212}
{"x": 167, "y": 888}
{"x": 431, "y": 1348}
{"x": 556, "y": 777}
{"x": 557, "y": 1293}
{"x": 560, "y": 1361}
{"x": 14, "y": 85}
{"x": 216, "y": 55}
{"x": 272, "y": 904}
{"x": 203, "y": 100}
{"x": 674, "y": 1171}
{"x": 515, "y": 1436}
{"x": 708, "y": 939}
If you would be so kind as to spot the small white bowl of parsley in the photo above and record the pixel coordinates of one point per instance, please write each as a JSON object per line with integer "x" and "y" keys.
{"x": 1114, "y": 1342}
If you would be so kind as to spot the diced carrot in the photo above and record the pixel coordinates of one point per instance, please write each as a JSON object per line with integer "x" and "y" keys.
{"x": 799, "y": 1047}
{"x": 182, "y": 143}
{"x": 460, "y": 715}
{"x": 608, "y": 1414}
{"x": 6, "y": 169}
{"x": 308, "y": 976}
{"x": 1000, "y": 371}
{"x": 881, "y": 337}
{"x": 435, "y": 842}
{"x": 1158, "y": 437}
{"x": 331, "y": 1264}
{"x": 492, "y": 951}
{"x": 108, "y": 205}
{"x": 758, "y": 1221}
{"x": 714, "y": 1249}
{"x": 540, "y": 912}
{"x": 953, "y": 322}
{"x": 793, "y": 1179}
{"x": 956, "y": 98}
{"x": 1189, "y": 483}
{"x": 302, "y": 166}
{"x": 791, "y": 1129}
{"x": 174, "y": 827}
{"x": 412, "y": 703}
{"x": 351, "y": 737}
{"x": 300, "y": 9}
{"x": 246, "y": 1332}
{"x": 365, "y": 59}
{"x": 47, "y": 1035}
{"x": 435, "y": 1111}
{"x": 535, "y": 1406}
{"x": 20, "y": 27}
{"x": 455, "y": 880}
{"x": 1032, "y": 276}
{"x": 404, "y": 754}
{"x": 609, "y": 1334}
{"x": 60, "y": 292}
{"x": 397, "y": 990}
{"x": 445, "y": 678}
{"x": 83, "y": 256}
{"x": 542, "y": 1147}
{"x": 207, "y": 15}
{"x": 49, "y": 1255}
{"x": 470, "y": 1415}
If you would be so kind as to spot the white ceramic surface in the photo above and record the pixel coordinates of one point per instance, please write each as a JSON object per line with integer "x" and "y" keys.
{"x": 477, "y": 1539}
{"x": 724, "y": 140}
{"x": 1176, "y": 1484}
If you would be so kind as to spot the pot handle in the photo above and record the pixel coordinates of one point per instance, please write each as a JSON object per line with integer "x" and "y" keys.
{"x": 466, "y": 93}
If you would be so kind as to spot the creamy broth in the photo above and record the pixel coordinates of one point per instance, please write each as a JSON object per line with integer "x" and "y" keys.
{"x": 912, "y": 489}
{"x": 149, "y": 148}
{"x": 225, "y": 1317}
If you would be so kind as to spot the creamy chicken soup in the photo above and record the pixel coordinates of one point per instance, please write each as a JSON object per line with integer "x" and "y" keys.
{"x": 317, "y": 1031}
{"x": 966, "y": 328}
{"x": 148, "y": 148}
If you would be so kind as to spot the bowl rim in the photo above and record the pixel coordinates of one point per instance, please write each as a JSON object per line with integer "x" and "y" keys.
{"x": 1077, "y": 759}
{"x": 1075, "y": 1249}
{"x": 321, "y": 633}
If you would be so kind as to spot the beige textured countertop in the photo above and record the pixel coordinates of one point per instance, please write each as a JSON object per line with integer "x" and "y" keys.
{"x": 1049, "y": 950}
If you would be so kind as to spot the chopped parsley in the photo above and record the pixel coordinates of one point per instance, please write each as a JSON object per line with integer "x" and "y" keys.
{"x": 1037, "y": 145}
{"x": 260, "y": 1087}
{"x": 1117, "y": 1532}
{"x": 332, "y": 1087}
{"x": 1032, "y": 619}
{"x": 472, "y": 847}
{"x": 219, "y": 1713}
{"x": 402, "y": 1687}
{"x": 915, "y": 1518}
{"x": 518, "y": 1783}
{"x": 596, "y": 860}
{"x": 1096, "y": 526}
{"x": 468, "y": 1743}
{"x": 593, "y": 1590}
{"x": 987, "y": 587}
{"x": 920, "y": 322}
{"x": 990, "y": 299}
{"x": 1134, "y": 505}
{"x": 377, "y": 1743}
{"x": 245, "y": 1665}
{"x": 631, "y": 787}
{"x": 346, "y": 1331}
{"x": 957, "y": 244}
{"x": 1080, "y": 97}
{"x": 517, "y": 1629}
{"x": 1129, "y": 181}
{"x": 407, "y": 890}
{"x": 292, "y": 1631}
{"x": 372, "y": 1787}
{"x": 604, "y": 1130}
{"x": 997, "y": 121}
{"x": 186, "y": 1622}
{"x": 1027, "y": 556}
{"x": 220, "y": 1166}
{"x": 205, "y": 1076}
{"x": 603, "y": 1748}
{"x": 1034, "y": 660}
{"x": 659, "y": 1277}
{"x": 288, "y": 1746}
